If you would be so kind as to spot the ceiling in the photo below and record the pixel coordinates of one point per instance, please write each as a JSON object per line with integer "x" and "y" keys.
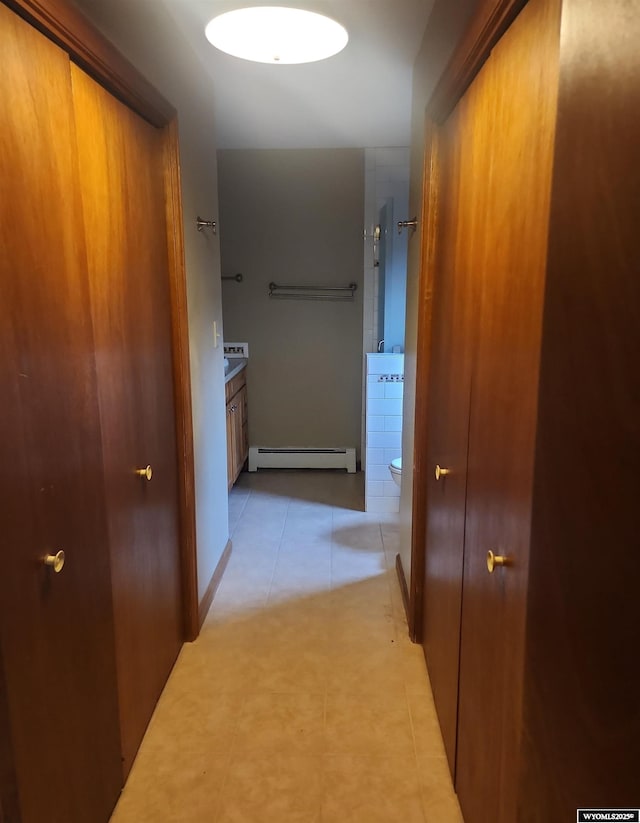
{"x": 360, "y": 97}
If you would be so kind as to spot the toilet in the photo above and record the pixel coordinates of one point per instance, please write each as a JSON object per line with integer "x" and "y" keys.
{"x": 395, "y": 467}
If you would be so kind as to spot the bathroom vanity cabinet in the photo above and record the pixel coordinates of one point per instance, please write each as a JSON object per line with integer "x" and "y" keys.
{"x": 237, "y": 435}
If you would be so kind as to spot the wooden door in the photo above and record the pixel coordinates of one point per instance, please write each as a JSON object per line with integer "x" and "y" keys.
{"x": 453, "y": 332}
{"x": 520, "y": 92}
{"x": 121, "y": 165}
{"x": 56, "y": 630}
{"x": 582, "y": 699}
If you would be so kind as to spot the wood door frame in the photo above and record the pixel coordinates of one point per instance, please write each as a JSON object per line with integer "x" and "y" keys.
{"x": 9, "y": 805}
{"x": 93, "y": 53}
{"x": 490, "y": 22}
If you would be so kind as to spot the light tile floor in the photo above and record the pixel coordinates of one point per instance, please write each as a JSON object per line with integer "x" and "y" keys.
{"x": 303, "y": 700}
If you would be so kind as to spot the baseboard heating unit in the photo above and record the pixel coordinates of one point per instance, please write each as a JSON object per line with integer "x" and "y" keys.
{"x": 261, "y": 457}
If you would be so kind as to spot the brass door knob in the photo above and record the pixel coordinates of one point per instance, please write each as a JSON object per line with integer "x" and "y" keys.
{"x": 494, "y": 560}
{"x": 147, "y": 472}
{"x": 56, "y": 561}
{"x": 440, "y": 472}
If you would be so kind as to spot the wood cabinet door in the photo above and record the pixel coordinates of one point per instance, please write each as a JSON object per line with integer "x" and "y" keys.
{"x": 237, "y": 430}
{"x": 231, "y": 447}
{"x": 56, "y": 629}
{"x": 515, "y": 124}
{"x": 121, "y": 166}
{"x": 243, "y": 436}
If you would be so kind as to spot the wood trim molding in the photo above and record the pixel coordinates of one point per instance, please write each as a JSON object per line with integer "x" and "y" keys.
{"x": 423, "y": 365}
{"x": 486, "y": 28}
{"x": 63, "y": 23}
{"x": 182, "y": 381}
{"x": 402, "y": 580}
{"x": 207, "y": 599}
{"x": 9, "y": 806}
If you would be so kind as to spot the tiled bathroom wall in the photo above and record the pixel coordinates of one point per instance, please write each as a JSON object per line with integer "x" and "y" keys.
{"x": 386, "y": 175}
{"x": 383, "y": 429}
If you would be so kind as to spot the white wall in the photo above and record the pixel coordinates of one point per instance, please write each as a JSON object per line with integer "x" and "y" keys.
{"x": 295, "y": 216}
{"x": 147, "y": 37}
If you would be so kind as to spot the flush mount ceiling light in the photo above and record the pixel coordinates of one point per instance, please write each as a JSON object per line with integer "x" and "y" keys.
{"x": 274, "y": 34}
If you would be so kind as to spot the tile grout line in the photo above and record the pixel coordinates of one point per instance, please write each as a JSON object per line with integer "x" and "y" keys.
{"x": 240, "y": 513}
{"x": 423, "y": 804}
{"x": 323, "y": 773}
{"x": 396, "y": 629}
{"x": 275, "y": 565}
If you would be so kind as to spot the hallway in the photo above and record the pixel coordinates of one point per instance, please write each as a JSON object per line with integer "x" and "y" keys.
{"x": 303, "y": 699}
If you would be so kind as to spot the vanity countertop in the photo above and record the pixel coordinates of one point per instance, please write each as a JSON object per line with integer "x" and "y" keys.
{"x": 233, "y": 366}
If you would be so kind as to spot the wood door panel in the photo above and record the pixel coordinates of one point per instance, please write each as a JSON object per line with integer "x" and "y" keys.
{"x": 581, "y": 703}
{"x": 56, "y": 630}
{"x": 453, "y": 336}
{"x": 121, "y": 163}
{"x": 9, "y": 805}
{"x": 520, "y": 87}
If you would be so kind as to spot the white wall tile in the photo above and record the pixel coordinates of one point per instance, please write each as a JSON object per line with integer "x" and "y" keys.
{"x": 382, "y": 504}
{"x": 385, "y": 364}
{"x": 374, "y": 365}
{"x": 375, "y": 390}
{"x": 393, "y": 423}
{"x": 384, "y": 440}
{"x": 391, "y": 488}
{"x": 378, "y": 472}
{"x": 374, "y": 488}
{"x": 375, "y": 456}
{"x": 393, "y": 390}
{"x": 376, "y": 423}
{"x": 391, "y": 454}
{"x": 383, "y": 406}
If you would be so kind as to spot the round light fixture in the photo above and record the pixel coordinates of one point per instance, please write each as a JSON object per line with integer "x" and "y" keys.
{"x": 275, "y": 34}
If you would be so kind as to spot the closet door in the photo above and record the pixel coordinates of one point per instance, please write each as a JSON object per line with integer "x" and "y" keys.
{"x": 56, "y": 629}
{"x": 453, "y": 334}
{"x": 521, "y": 89}
{"x": 582, "y": 702}
{"x": 121, "y": 165}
